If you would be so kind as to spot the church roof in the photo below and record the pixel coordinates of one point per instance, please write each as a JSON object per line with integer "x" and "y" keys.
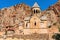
{"x": 26, "y": 18}
{"x": 36, "y": 5}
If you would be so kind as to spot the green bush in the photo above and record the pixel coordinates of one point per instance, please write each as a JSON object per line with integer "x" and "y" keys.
{"x": 56, "y": 36}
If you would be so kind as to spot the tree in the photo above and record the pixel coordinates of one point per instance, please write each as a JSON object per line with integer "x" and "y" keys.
{"x": 56, "y": 36}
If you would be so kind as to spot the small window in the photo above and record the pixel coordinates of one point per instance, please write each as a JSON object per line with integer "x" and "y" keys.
{"x": 6, "y": 27}
{"x": 26, "y": 25}
{"x": 34, "y": 11}
{"x": 35, "y": 23}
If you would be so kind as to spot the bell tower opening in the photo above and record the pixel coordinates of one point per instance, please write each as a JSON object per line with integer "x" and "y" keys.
{"x": 37, "y": 11}
{"x": 34, "y": 11}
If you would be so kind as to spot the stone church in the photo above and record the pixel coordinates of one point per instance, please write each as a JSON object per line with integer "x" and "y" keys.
{"x": 34, "y": 23}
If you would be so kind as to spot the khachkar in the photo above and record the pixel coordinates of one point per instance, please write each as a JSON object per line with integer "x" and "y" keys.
{"x": 33, "y": 27}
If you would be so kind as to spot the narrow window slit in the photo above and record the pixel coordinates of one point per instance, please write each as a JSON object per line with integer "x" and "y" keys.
{"x": 35, "y": 23}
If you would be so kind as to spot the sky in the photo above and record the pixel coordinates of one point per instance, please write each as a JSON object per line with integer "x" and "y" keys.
{"x": 44, "y": 4}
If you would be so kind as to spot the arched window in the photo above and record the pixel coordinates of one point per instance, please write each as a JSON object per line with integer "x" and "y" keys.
{"x": 35, "y": 23}
{"x": 37, "y": 11}
{"x": 26, "y": 24}
{"x": 34, "y": 11}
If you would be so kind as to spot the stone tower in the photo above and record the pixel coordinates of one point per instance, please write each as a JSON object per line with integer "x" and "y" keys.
{"x": 35, "y": 8}
{"x": 35, "y": 21}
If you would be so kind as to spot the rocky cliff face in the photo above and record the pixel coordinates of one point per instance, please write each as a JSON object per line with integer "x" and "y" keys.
{"x": 56, "y": 9}
{"x": 17, "y": 12}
